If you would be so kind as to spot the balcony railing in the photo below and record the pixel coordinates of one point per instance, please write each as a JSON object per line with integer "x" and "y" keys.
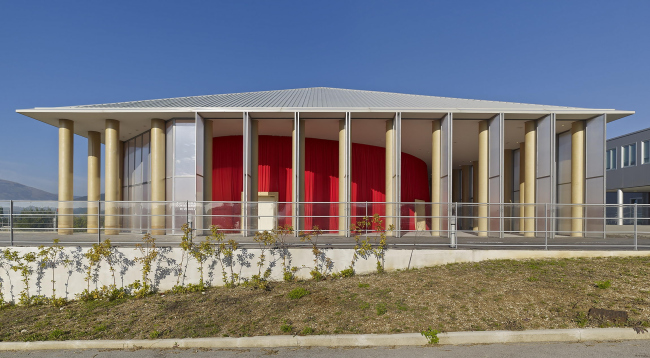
{"x": 455, "y": 225}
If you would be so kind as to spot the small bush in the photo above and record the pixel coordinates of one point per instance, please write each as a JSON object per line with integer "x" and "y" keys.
{"x": 348, "y": 272}
{"x": 297, "y": 293}
{"x": 431, "y": 335}
{"x": 154, "y": 334}
{"x": 603, "y": 285}
{"x": 307, "y": 331}
{"x": 286, "y": 328}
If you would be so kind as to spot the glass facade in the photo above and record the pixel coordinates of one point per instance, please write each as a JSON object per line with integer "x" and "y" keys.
{"x": 137, "y": 181}
{"x": 645, "y": 152}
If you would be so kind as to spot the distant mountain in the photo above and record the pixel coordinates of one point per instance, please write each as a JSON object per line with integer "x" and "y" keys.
{"x": 85, "y": 198}
{"x": 10, "y": 190}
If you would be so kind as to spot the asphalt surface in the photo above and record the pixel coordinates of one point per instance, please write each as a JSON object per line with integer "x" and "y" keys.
{"x": 576, "y": 350}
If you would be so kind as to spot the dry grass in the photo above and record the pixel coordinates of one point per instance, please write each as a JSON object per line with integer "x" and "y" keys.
{"x": 504, "y": 294}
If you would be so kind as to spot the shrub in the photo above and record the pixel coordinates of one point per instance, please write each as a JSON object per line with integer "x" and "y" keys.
{"x": 297, "y": 293}
{"x": 307, "y": 330}
{"x": 286, "y": 328}
{"x": 431, "y": 335}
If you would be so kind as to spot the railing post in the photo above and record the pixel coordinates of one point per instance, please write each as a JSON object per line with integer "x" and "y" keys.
{"x": 635, "y": 227}
{"x": 452, "y": 225}
{"x": 546, "y": 226}
{"x": 99, "y": 224}
{"x": 11, "y": 222}
{"x": 187, "y": 211}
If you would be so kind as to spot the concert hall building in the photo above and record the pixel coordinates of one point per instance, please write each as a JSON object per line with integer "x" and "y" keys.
{"x": 316, "y": 156}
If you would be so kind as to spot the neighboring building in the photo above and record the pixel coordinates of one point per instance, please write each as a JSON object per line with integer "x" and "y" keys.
{"x": 628, "y": 172}
{"x": 337, "y": 146}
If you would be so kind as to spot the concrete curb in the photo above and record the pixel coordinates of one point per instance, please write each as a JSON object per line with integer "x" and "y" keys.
{"x": 344, "y": 340}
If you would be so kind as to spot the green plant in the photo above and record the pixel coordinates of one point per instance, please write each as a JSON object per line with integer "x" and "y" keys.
{"x": 581, "y": 319}
{"x": 307, "y": 331}
{"x": 55, "y": 334}
{"x": 431, "y": 335}
{"x": 322, "y": 263}
{"x": 23, "y": 264}
{"x": 603, "y": 285}
{"x": 52, "y": 256}
{"x": 297, "y": 293}
{"x": 149, "y": 253}
{"x": 371, "y": 245}
{"x": 364, "y": 285}
{"x": 281, "y": 235}
{"x": 381, "y": 308}
{"x": 154, "y": 334}
{"x": 532, "y": 279}
{"x": 264, "y": 240}
{"x": 286, "y": 328}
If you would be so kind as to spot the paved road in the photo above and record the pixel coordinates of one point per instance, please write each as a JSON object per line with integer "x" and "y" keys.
{"x": 574, "y": 350}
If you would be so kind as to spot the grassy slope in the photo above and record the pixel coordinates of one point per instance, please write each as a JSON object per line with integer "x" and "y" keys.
{"x": 492, "y": 295}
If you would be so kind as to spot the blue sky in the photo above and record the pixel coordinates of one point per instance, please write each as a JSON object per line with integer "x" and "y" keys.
{"x": 560, "y": 52}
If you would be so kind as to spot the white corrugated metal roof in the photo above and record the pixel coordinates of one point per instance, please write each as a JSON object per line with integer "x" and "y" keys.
{"x": 319, "y": 97}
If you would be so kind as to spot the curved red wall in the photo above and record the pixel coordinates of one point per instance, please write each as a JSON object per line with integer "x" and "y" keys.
{"x": 321, "y": 178}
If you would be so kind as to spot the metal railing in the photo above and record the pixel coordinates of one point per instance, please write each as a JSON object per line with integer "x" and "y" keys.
{"x": 456, "y": 225}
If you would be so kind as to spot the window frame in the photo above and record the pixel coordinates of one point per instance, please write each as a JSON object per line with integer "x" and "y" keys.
{"x": 645, "y": 147}
{"x": 610, "y": 158}
{"x": 629, "y": 149}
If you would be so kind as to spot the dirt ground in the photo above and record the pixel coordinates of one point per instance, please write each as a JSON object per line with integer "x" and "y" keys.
{"x": 491, "y": 295}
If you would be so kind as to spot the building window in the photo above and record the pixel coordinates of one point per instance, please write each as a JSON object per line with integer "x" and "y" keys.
{"x": 610, "y": 158}
{"x": 628, "y": 155}
{"x": 645, "y": 152}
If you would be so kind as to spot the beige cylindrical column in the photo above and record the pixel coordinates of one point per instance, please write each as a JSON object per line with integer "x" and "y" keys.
{"x": 65, "y": 220}
{"x": 483, "y": 157}
{"x": 299, "y": 166}
{"x": 522, "y": 186}
{"x": 474, "y": 194}
{"x": 158, "y": 174}
{"x": 577, "y": 176}
{"x": 529, "y": 173}
{"x": 343, "y": 179}
{"x": 111, "y": 176}
{"x": 390, "y": 174}
{"x": 465, "y": 175}
{"x": 94, "y": 165}
{"x": 507, "y": 189}
{"x": 435, "y": 178}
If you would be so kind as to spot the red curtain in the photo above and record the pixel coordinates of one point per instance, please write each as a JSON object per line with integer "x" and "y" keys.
{"x": 321, "y": 179}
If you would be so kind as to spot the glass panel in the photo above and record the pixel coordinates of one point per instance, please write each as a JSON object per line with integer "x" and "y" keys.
{"x": 613, "y": 158}
{"x": 646, "y": 151}
{"x": 608, "y": 161}
{"x": 146, "y": 158}
{"x": 125, "y": 169}
{"x": 131, "y": 171}
{"x": 138, "y": 160}
{"x": 184, "y": 189}
{"x": 185, "y": 160}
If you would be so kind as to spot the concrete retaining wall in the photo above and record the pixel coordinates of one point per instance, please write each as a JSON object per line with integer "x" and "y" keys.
{"x": 70, "y": 280}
